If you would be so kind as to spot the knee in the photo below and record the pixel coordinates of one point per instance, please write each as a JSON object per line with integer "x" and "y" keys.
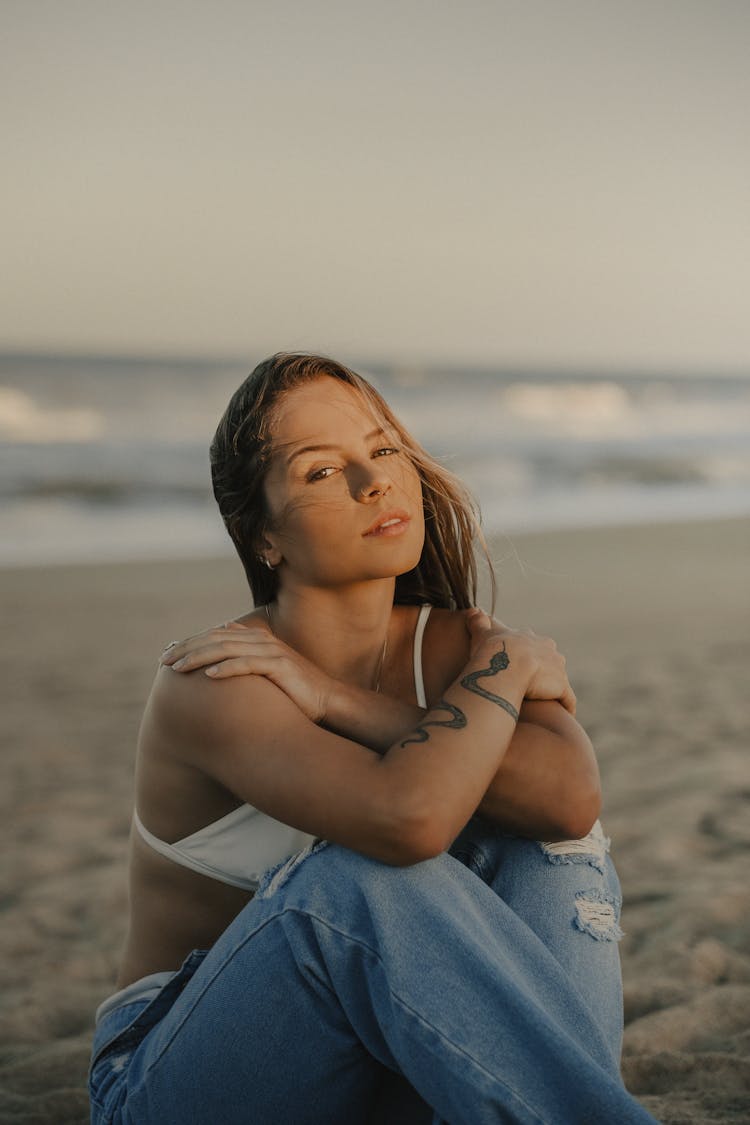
{"x": 591, "y": 849}
{"x": 596, "y": 893}
{"x": 572, "y": 879}
{"x": 324, "y": 869}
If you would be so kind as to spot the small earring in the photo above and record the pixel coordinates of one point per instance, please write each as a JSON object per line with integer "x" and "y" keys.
{"x": 264, "y": 560}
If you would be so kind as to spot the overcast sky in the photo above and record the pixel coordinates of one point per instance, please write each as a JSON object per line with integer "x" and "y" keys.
{"x": 535, "y": 182}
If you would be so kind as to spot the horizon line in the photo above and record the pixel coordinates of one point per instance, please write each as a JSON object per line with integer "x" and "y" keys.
{"x": 408, "y": 369}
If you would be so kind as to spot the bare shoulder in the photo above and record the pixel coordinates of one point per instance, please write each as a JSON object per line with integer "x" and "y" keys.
{"x": 192, "y": 712}
{"x": 246, "y": 735}
{"x": 445, "y": 650}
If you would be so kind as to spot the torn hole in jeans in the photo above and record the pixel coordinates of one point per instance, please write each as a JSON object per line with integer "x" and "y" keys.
{"x": 598, "y": 914}
{"x": 276, "y": 876}
{"x": 591, "y": 849}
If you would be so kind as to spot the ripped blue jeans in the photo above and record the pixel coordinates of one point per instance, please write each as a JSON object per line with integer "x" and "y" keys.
{"x": 479, "y": 986}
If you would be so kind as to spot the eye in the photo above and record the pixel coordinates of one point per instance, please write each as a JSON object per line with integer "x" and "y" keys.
{"x": 321, "y": 474}
{"x": 385, "y": 451}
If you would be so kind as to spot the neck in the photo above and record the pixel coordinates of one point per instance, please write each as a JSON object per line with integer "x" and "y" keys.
{"x": 341, "y": 630}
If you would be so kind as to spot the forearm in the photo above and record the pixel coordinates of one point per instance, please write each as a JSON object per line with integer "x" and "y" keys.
{"x": 373, "y": 720}
{"x": 441, "y": 769}
{"x": 547, "y": 786}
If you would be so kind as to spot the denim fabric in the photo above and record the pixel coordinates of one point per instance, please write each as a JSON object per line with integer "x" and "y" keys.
{"x": 471, "y": 988}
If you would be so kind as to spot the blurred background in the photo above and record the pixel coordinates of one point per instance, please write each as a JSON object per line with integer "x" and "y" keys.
{"x": 529, "y": 223}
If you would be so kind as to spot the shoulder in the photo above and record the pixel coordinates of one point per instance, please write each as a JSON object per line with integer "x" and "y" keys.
{"x": 445, "y": 650}
{"x": 189, "y": 714}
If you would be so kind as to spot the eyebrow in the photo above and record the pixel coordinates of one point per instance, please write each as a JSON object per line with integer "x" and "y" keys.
{"x": 328, "y": 448}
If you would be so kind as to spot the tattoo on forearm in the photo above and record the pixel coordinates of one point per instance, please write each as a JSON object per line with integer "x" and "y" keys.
{"x": 498, "y": 663}
{"x": 456, "y": 722}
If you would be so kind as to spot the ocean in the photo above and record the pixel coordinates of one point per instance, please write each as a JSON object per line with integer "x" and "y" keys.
{"x": 106, "y": 458}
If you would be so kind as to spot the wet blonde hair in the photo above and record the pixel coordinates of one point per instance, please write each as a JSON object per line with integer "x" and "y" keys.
{"x": 446, "y": 574}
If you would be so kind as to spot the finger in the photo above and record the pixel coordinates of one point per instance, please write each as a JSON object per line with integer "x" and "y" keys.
{"x": 175, "y": 652}
{"x": 568, "y": 700}
{"x": 213, "y": 653}
{"x": 221, "y": 641}
{"x": 176, "y": 649}
{"x": 258, "y": 625}
{"x": 236, "y": 666}
{"x": 215, "y": 631}
{"x": 476, "y": 619}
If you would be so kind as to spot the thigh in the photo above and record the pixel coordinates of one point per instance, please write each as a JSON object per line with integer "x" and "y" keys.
{"x": 353, "y": 965}
{"x": 247, "y": 1038}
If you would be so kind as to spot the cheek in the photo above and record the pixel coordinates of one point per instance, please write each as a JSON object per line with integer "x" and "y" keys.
{"x": 310, "y": 522}
{"x": 405, "y": 477}
{"x": 412, "y": 485}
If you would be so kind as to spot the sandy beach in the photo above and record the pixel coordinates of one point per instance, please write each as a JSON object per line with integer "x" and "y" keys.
{"x": 654, "y": 622}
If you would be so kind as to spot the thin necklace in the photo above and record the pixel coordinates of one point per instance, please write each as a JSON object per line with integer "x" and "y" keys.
{"x": 381, "y": 662}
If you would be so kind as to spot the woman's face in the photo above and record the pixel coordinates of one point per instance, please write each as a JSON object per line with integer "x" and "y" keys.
{"x": 345, "y": 500}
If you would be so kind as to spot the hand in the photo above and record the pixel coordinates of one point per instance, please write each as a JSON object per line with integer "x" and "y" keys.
{"x": 549, "y": 680}
{"x": 253, "y": 650}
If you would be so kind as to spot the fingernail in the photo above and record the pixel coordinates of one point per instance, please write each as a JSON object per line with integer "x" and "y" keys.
{"x": 212, "y": 670}
{"x": 179, "y": 663}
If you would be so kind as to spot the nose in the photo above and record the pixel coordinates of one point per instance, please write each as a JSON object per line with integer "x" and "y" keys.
{"x": 374, "y": 485}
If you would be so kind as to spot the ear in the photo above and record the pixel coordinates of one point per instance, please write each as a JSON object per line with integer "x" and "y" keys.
{"x": 268, "y": 551}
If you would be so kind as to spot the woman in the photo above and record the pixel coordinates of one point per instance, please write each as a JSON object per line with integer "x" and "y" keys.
{"x": 306, "y": 790}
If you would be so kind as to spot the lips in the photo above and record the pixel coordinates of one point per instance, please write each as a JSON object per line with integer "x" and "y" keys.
{"x": 389, "y": 523}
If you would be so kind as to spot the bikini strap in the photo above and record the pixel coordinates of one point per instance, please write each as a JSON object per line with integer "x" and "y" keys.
{"x": 424, "y": 613}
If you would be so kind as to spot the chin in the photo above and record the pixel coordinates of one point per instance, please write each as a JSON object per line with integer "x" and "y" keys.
{"x": 404, "y": 566}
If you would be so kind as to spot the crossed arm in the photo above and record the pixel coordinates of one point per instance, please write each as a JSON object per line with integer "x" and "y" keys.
{"x": 547, "y": 784}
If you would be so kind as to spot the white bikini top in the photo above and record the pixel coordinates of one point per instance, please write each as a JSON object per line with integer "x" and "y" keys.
{"x": 239, "y": 847}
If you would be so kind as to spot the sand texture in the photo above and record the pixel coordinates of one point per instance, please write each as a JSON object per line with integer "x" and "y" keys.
{"x": 654, "y": 621}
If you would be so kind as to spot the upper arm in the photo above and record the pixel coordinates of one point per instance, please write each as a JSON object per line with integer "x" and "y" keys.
{"x": 250, "y": 737}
